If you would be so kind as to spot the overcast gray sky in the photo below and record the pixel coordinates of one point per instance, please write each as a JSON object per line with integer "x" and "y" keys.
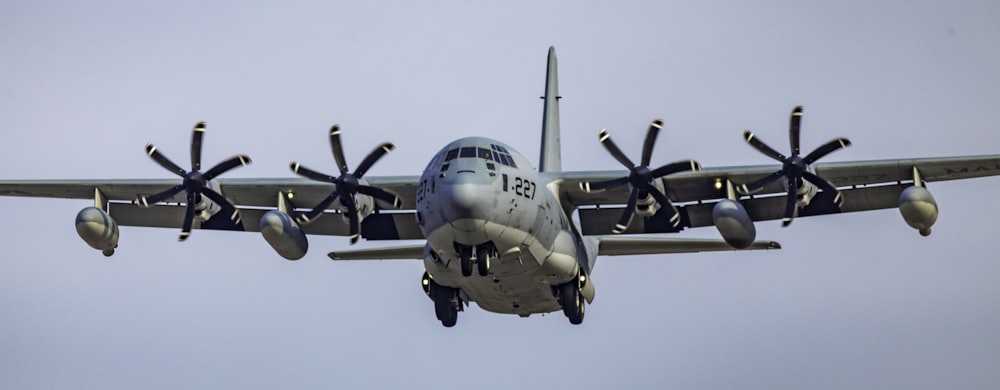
{"x": 856, "y": 301}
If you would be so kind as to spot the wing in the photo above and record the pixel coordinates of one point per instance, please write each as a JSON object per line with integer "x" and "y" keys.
{"x": 253, "y": 197}
{"x": 864, "y": 185}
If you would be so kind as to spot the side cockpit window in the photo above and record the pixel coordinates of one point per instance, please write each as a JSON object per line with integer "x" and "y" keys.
{"x": 502, "y": 155}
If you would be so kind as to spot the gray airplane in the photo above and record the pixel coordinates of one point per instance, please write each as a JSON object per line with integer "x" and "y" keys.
{"x": 495, "y": 231}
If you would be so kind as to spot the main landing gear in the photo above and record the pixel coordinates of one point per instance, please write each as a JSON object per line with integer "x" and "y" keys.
{"x": 572, "y": 302}
{"x": 447, "y": 303}
{"x": 480, "y": 255}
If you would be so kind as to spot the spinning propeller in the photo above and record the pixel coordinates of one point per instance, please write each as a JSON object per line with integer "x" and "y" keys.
{"x": 195, "y": 182}
{"x": 794, "y": 168}
{"x": 348, "y": 184}
{"x": 640, "y": 177}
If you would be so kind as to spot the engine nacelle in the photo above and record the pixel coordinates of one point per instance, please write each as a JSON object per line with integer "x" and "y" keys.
{"x": 734, "y": 224}
{"x": 284, "y": 235}
{"x": 919, "y": 209}
{"x": 647, "y": 206}
{"x": 98, "y": 230}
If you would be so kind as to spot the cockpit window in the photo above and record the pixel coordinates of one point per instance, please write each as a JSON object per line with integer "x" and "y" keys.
{"x": 495, "y": 153}
{"x": 467, "y": 151}
{"x": 501, "y": 154}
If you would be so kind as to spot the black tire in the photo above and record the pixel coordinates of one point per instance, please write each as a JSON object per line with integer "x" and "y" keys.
{"x": 444, "y": 307}
{"x": 572, "y": 302}
{"x": 466, "y": 265}
{"x": 483, "y": 257}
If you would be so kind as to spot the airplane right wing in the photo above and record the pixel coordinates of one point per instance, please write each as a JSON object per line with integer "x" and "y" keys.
{"x": 864, "y": 185}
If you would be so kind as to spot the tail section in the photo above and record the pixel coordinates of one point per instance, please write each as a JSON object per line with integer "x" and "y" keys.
{"x": 551, "y": 159}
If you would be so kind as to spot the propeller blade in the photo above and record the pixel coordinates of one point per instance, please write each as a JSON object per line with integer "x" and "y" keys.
{"x": 647, "y": 146}
{"x": 791, "y": 204}
{"x": 338, "y": 149}
{"x": 196, "y": 138}
{"x": 227, "y": 207}
{"x": 824, "y": 185}
{"x": 306, "y": 218}
{"x": 188, "y": 217}
{"x": 149, "y": 200}
{"x": 603, "y": 185}
{"x": 626, "y": 218}
{"x": 661, "y": 198}
{"x": 225, "y": 166}
{"x": 793, "y": 129}
{"x": 827, "y": 148}
{"x": 165, "y": 162}
{"x": 311, "y": 174}
{"x": 679, "y": 166}
{"x": 371, "y": 158}
{"x": 613, "y": 149}
{"x": 758, "y": 185}
{"x": 352, "y": 219}
{"x": 762, "y": 147}
{"x": 381, "y": 194}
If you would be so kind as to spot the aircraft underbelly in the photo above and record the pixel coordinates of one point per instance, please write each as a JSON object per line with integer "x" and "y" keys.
{"x": 518, "y": 281}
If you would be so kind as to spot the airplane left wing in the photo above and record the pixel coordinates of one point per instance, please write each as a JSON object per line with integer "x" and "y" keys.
{"x": 253, "y": 197}
{"x": 864, "y": 185}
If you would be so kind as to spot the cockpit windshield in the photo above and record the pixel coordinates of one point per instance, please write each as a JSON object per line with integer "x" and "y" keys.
{"x": 496, "y": 153}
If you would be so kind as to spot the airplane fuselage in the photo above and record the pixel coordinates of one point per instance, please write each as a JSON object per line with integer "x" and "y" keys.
{"x": 480, "y": 197}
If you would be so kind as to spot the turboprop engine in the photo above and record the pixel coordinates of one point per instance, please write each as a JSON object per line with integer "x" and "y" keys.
{"x": 919, "y": 209}
{"x": 98, "y": 230}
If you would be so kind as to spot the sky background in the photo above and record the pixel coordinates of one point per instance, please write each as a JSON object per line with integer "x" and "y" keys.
{"x": 856, "y": 301}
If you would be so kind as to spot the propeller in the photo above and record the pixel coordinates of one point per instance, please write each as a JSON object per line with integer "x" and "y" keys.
{"x": 794, "y": 168}
{"x": 195, "y": 183}
{"x": 640, "y": 177}
{"x": 348, "y": 184}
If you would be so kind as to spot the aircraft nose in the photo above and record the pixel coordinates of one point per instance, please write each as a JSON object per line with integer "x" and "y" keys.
{"x": 467, "y": 196}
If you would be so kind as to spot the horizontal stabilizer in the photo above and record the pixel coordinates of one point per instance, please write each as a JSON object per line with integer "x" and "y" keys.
{"x": 617, "y": 246}
{"x": 409, "y": 252}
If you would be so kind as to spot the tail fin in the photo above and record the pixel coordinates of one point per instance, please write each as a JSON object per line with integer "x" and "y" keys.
{"x": 551, "y": 159}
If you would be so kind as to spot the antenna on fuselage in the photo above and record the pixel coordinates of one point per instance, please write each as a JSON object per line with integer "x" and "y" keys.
{"x": 551, "y": 159}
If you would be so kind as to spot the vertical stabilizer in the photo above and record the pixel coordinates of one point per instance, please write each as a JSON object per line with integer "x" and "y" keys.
{"x": 551, "y": 159}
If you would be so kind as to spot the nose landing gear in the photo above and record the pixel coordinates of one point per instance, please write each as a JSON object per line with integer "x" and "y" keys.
{"x": 481, "y": 255}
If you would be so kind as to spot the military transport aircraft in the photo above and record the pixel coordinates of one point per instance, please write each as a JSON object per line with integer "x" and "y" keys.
{"x": 494, "y": 230}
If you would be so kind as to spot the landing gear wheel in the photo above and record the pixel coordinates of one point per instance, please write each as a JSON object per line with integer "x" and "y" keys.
{"x": 572, "y": 303}
{"x": 465, "y": 256}
{"x": 483, "y": 257}
{"x": 445, "y": 305}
